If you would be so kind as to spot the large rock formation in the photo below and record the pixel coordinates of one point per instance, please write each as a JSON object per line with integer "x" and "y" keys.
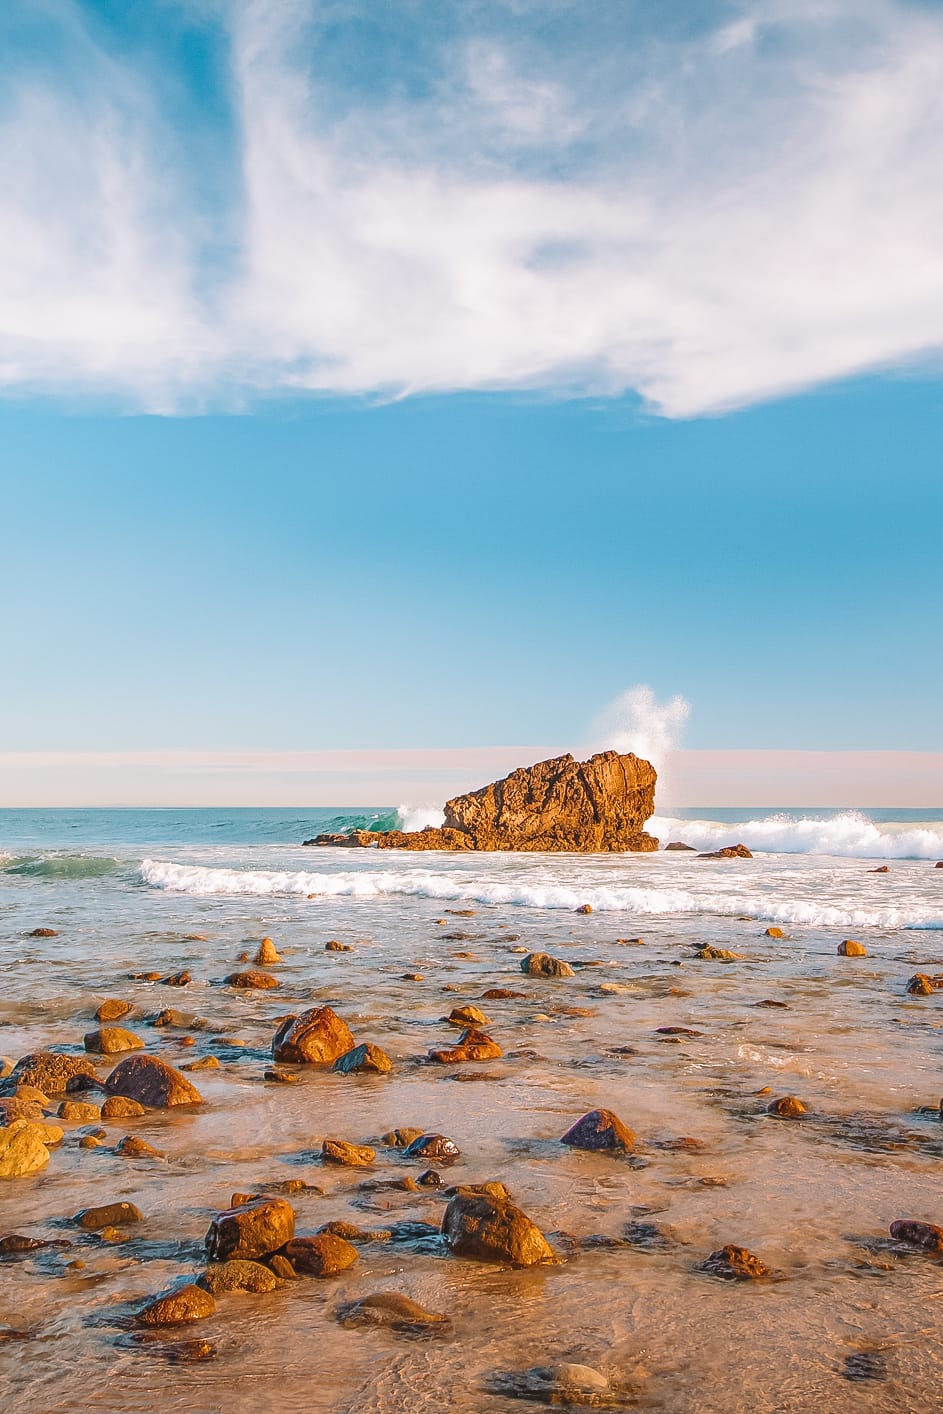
{"x": 586, "y": 807}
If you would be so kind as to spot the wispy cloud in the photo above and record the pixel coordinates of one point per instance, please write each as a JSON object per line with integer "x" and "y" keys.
{"x": 482, "y": 196}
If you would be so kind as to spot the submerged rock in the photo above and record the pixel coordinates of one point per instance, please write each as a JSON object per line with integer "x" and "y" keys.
{"x": 108, "y": 1215}
{"x": 599, "y": 1129}
{"x": 113, "y": 1010}
{"x": 927, "y": 1236}
{"x": 316, "y": 1037}
{"x": 433, "y": 1146}
{"x": 177, "y": 1307}
{"x": 364, "y": 1059}
{"x": 786, "y": 1107}
{"x": 567, "y": 1385}
{"x": 220, "y": 1278}
{"x": 922, "y": 984}
{"x": 390, "y": 1309}
{"x": 849, "y": 948}
{"x": 473, "y": 1045}
{"x": 541, "y": 964}
{"x": 735, "y": 1264}
{"x": 152, "y": 1082}
{"x": 120, "y": 1107}
{"x": 253, "y": 979}
{"x": 267, "y": 954}
{"x": 729, "y": 851}
{"x": 338, "y": 1151}
{"x": 493, "y": 1230}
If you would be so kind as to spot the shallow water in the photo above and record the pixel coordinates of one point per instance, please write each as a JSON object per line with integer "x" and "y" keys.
{"x": 813, "y": 1198}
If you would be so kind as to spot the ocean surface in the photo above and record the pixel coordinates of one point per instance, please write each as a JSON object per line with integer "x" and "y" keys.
{"x": 852, "y": 1321}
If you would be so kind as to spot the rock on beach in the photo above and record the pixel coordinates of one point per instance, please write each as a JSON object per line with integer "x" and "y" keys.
{"x": 152, "y": 1082}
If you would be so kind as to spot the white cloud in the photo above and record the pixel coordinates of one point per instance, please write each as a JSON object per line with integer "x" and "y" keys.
{"x": 708, "y": 218}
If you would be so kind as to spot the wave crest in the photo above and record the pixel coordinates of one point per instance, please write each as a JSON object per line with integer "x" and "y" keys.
{"x": 849, "y": 835}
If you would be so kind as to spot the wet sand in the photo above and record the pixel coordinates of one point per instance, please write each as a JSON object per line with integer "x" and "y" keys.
{"x": 812, "y": 1197}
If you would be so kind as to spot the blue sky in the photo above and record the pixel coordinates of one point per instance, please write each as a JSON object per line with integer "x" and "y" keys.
{"x": 426, "y": 375}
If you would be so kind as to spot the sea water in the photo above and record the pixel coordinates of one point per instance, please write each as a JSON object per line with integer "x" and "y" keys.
{"x": 158, "y": 891}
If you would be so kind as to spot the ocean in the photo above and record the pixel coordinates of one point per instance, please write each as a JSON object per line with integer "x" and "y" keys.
{"x": 688, "y": 1049}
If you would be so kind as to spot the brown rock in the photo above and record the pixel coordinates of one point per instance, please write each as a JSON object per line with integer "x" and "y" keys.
{"x": 711, "y": 954}
{"x": 23, "y": 1148}
{"x": 584, "y": 908}
{"x": 849, "y": 948}
{"x": 788, "y": 1107}
{"x": 176, "y": 1308}
{"x": 401, "y": 1138}
{"x": 13, "y": 1107}
{"x": 500, "y": 994}
{"x": 267, "y": 954}
{"x": 476, "y": 1225}
{"x": 107, "y": 1215}
{"x": 350, "y": 1232}
{"x": 433, "y": 1146}
{"x": 473, "y": 1046}
{"x": 730, "y": 851}
{"x": 335, "y": 946}
{"x": 152, "y": 1082}
{"x": 249, "y": 1230}
{"x": 113, "y": 1010}
{"x": 927, "y": 1236}
{"x": 260, "y": 981}
{"x": 120, "y": 1107}
{"x": 541, "y": 964}
{"x": 42, "y": 933}
{"x": 363, "y": 1059}
{"x": 338, "y": 1151}
{"x": 881, "y": 869}
{"x": 922, "y": 984}
{"x": 677, "y": 844}
{"x": 204, "y": 1063}
{"x": 775, "y": 933}
{"x": 112, "y": 1040}
{"x": 177, "y": 979}
{"x": 220, "y": 1278}
{"x": 51, "y": 1072}
{"x": 735, "y": 1264}
{"x": 78, "y": 1112}
{"x": 593, "y": 806}
{"x": 168, "y": 1017}
{"x": 317, "y": 1037}
{"x": 600, "y": 1129}
{"x": 320, "y": 1256}
{"x": 282, "y": 1267}
{"x": 390, "y": 1309}
{"x": 133, "y": 1147}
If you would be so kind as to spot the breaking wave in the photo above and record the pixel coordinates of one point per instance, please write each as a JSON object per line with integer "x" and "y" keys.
{"x": 59, "y": 866}
{"x": 445, "y": 886}
{"x": 849, "y": 835}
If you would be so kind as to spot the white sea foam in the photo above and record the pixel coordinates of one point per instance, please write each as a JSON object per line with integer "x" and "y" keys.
{"x": 452, "y": 885}
{"x": 849, "y": 835}
{"x": 417, "y": 817}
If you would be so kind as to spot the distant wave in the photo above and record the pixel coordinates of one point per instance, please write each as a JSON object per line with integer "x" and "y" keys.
{"x": 848, "y": 834}
{"x": 59, "y": 866}
{"x": 203, "y": 882}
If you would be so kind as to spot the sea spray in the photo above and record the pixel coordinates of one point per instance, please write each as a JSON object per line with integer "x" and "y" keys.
{"x": 636, "y": 721}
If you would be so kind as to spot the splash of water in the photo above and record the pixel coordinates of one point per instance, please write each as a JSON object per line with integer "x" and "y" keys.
{"x": 637, "y": 721}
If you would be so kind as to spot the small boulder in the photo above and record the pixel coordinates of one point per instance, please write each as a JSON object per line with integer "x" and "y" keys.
{"x": 253, "y": 980}
{"x": 735, "y": 1264}
{"x": 922, "y": 984}
{"x": 152, "y": 1082}
{"x": 42, "y": 933}
{"x": 335, "y": 946}
{"x": 927, "y": 1236}
{"x": 120, "y": 1107}
{"x": 433, "y": 1146}
{"x": 220, "y": 1278}
{"x": 316, "y": 1037}
{"x": 584, "y": 908}
{"x": 787, "y": 1107}
{"x": 177, "y": 979}
{"x": 113, "y": 1010}
{"x": 177, "y": 1307}
{"x": 491, "y": 1230}
{"x": 400, "y": 1138}
{"x": 132, "y": 1146}
{"x": 23, "y": 1148}
{"x": 600, "y": 1129}
{"x": 50, "y": 1072}
{"x": 78, "y": 1112}
{"x": 729, "y": 851}
{"x": 467, "y": 1016}
{"x": 267, "y": 954}
{"x": 473, "y": 1045}
{"x": 338, "y": 1151}
{"x": 500, "y": 994}
{"x": 707, "y": 953}
{"x": 107, "y": 1215}
{"x": 679, "y": 844}
{"x": 168, "y": 1017}
{"x": 849, "y": 948}
{"x": 363, "y": 1059}
{"x": 775, "y": 933}
{"x": 541, "y": 964}
{"x": 112, "y": 1040}
{"x": 249, "y": 1230}
{"x": 323, "y": 1255}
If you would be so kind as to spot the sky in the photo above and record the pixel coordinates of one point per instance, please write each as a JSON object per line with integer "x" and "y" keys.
{"x": 423, "y": 377}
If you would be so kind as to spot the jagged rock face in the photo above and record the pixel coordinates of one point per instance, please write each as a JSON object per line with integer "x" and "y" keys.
{"x": 586, "y": 807}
